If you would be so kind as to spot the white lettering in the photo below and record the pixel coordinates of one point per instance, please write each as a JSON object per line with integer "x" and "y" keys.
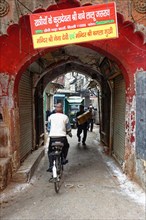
{"x": 41, "y": 21}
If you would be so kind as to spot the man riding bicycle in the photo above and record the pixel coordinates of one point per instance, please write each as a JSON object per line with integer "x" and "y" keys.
{"x": 58, "y": 128}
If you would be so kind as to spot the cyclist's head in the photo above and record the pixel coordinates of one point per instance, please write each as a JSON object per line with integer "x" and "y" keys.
{"x": 59, "y": 108}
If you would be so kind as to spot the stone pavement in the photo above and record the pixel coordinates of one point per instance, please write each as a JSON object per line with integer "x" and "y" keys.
{"x": 93, "y": 187}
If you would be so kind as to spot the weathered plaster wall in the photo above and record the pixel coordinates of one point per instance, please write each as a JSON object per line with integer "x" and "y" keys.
{"x": 9, "y": 130}
{"x": 140, "y": 172}
{"x": 9, "y": 135}
{"x": 140, "y": 78}
{"x": 129, "y": 165}
{"x": 135, "y": 141}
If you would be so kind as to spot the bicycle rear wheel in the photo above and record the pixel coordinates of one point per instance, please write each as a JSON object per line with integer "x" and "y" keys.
{"x": 57, "y": 186}
{"x": 59, "y": 168}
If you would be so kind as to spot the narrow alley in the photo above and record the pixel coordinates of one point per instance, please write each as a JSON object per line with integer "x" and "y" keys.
{"x": 93, "y": 187}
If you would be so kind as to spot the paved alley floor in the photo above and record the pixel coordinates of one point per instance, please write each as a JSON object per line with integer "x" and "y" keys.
{"x": 93, "y": 188}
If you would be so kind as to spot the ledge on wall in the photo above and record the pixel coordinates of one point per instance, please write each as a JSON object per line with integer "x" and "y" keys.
{"x": 26, "y": 171}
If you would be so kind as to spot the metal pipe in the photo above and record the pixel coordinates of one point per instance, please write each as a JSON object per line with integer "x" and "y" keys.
{"x": 99, "y": 111}
{"x": 111, "y": 118}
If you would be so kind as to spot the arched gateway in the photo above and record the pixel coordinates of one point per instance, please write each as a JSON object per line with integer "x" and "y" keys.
{"x": 127, "y": 53}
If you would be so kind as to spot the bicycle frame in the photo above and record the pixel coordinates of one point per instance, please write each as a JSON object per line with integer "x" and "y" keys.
{"x": 57, "y": 169}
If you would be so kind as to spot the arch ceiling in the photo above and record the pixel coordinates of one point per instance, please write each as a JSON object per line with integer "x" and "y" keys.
{"x": 127, "y": 53}
{"x": 67, "y": 59}
{"x": 64, "y": 67}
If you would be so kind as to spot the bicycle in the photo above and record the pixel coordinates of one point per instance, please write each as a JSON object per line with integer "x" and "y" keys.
{"x": 57, "y": 161}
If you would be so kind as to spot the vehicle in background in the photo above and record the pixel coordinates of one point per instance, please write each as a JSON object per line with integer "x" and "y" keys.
{"x": 73, "y": 103}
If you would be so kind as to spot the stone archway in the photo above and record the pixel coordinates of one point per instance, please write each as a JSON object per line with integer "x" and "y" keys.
{"x": 128, "y": 51}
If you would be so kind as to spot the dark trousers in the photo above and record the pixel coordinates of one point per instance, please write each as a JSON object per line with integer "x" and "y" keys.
{"x": 64, "y": 149}
{"x": 90, "y": 124}
{"x": 80, "y": 130}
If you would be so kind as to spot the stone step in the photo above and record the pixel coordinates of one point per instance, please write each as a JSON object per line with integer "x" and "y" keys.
{"x": 27, "y": 169}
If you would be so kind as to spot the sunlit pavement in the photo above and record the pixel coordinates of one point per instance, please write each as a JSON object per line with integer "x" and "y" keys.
{"x": 93, "y": 187}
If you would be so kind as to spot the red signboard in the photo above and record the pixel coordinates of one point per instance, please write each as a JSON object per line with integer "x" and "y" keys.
{"x": 74, "y": 25}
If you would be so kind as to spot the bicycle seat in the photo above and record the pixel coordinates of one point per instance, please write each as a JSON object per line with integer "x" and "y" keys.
{"x": 57, "y": 143}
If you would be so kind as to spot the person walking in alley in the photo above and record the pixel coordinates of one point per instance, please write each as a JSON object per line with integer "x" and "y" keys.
{"x": 58, "y": 127}
{"x": 81, "y": 127}
{"x": 92, "y": 118}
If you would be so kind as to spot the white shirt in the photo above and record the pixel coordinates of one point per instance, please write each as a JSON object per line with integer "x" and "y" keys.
{"x": 58, "y": 125}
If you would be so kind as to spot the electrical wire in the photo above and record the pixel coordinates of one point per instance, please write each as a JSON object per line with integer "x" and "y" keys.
{"x": 16, "y": 45}
{"x": 12, "y": 43}
{"x": 20, "y": 43}
{"x": 133, "y": 43}
{"x": 135, "y": 21}
{"x": 29, "y": 33}
{"x": 24, "y": 6}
